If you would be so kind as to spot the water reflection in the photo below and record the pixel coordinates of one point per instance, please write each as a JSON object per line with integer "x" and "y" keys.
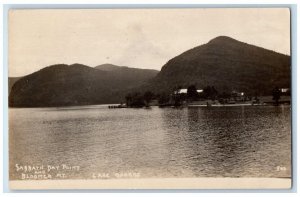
{"x": 223, "y": 141}
{"x": 187, "y": 142}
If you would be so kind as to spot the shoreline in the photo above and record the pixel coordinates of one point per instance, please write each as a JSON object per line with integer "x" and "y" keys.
{"x": 115, "y": 106}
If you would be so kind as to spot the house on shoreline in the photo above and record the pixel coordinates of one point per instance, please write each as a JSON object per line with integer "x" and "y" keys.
{"x": 185, "y": 91}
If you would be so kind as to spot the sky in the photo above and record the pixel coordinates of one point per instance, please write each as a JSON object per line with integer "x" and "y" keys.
{"x": 140, "y": 38}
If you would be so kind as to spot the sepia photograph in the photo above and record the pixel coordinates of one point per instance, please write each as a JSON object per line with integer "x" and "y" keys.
{"x": 149, "y": 98}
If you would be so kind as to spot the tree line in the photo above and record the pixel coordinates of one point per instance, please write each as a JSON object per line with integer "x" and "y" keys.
{"x": 138, "y": 99}
{"x": 175, "y": 98}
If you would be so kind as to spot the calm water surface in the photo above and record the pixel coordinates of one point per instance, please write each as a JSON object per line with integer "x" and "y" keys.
{"x": 244, "y": 141}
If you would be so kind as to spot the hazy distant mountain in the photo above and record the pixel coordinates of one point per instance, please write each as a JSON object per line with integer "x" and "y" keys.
{"x": 11, "y": 82}
{"x": 130, "y": 73}
{"x": 108, "y": 67}
{"x": 226, "y": 64}
{"x": 77, "y": 84}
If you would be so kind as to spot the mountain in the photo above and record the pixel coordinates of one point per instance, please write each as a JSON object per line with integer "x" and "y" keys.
{"x": 130, "y": 73}
{"x": 11, "y": 82}
{"x": 109, "y": 67}
{"x": 76, "y": 84}
{"x": 226, "y": 64}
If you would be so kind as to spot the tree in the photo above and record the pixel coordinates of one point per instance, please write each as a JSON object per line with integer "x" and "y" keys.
{"x": 207, "y": 92}
{"x": 192, "y": 93}
{"x": 214, "y": 93}
{"x": 163, "y": 99}
{"x": 135, "y": 100}
{"x": 225, "y": 95}
{"x": 148, "y": 96}
{"x": 128, "y": 98}
{"x": 223, "y": 98}
{"x": 276, "y": 95}
{"x": 177, "y": 98}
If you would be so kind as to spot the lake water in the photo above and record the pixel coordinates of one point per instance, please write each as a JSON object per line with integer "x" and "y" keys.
{"x": 247, "y": 141}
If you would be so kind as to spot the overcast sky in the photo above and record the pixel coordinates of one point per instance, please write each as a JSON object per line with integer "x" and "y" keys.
{"x": 142, "y": 38}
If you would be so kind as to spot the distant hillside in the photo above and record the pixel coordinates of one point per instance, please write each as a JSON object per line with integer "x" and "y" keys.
{"x": 108, "y": 67}
{"x": 61, "y": 85}
{"x": 129, "y": 73}
{"x": 11, "y": 82}
{"x": 226, "y": 64}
